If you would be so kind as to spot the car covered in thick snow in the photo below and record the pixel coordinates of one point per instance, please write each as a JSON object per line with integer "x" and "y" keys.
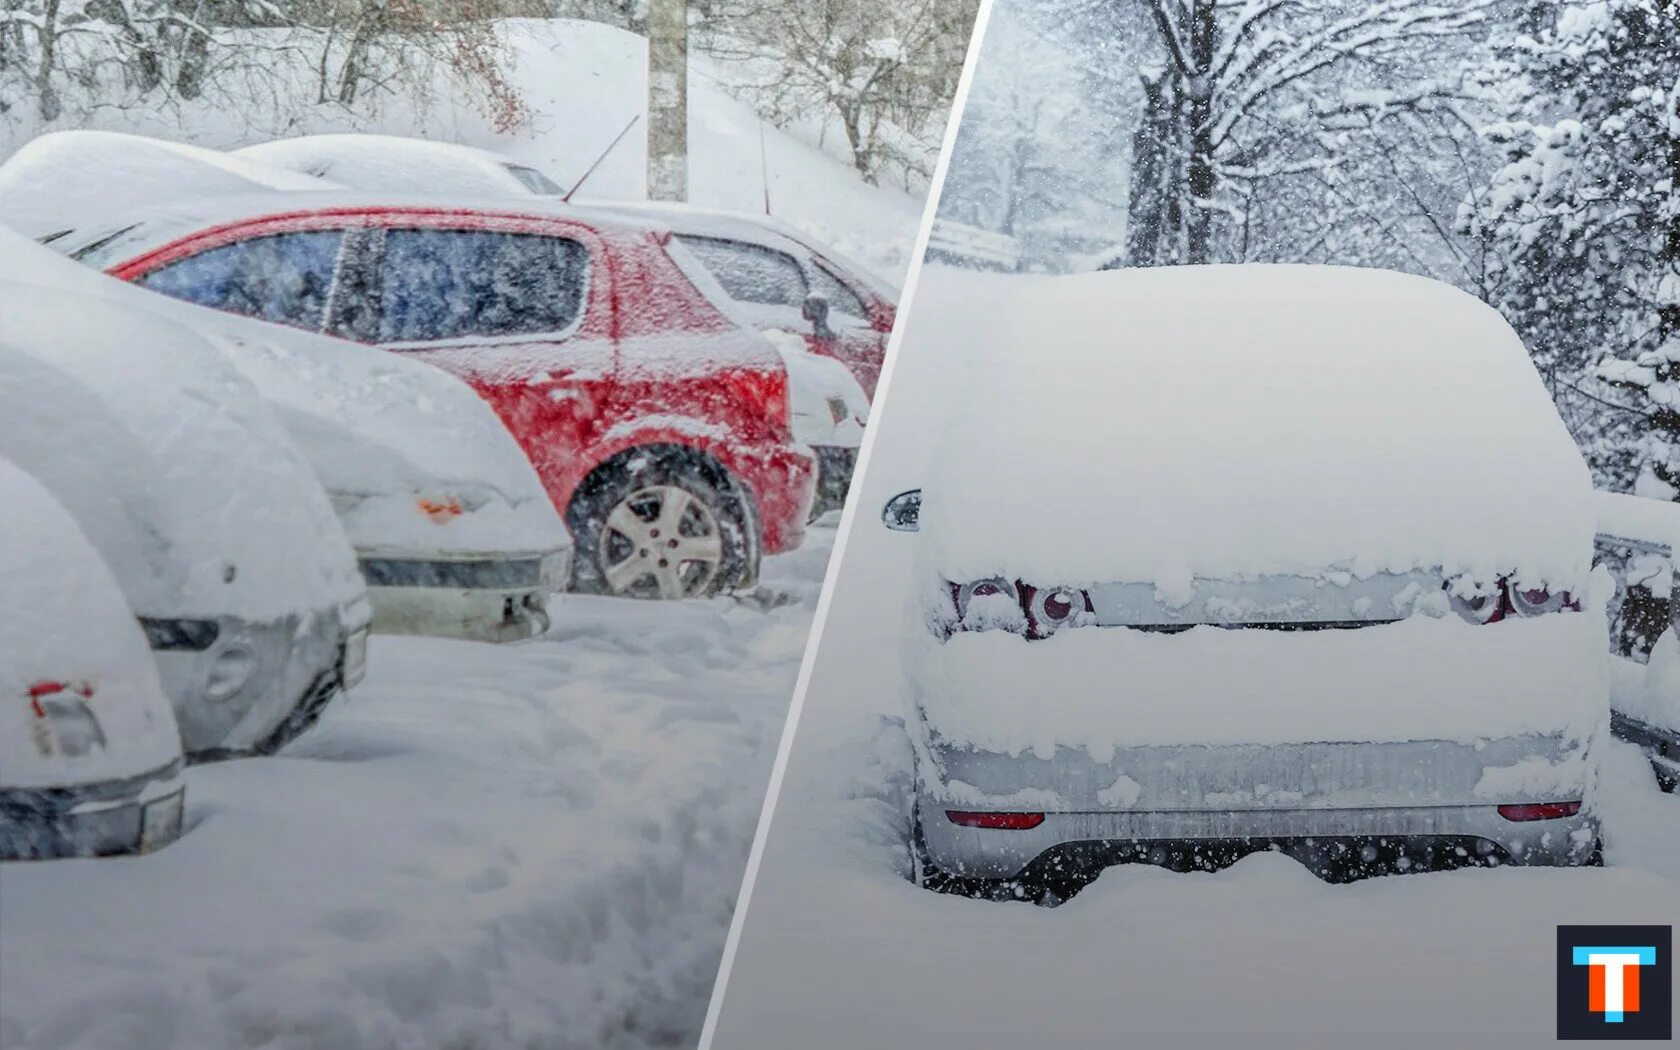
{"x": 90, "y": 759}
{"x": 215, "y": 527}
{"x": 453, "y": 530}
{"x": 1637, "y": 539}
{"x": 62, "y": 180}
{"x": 1198, "y": 582}
{"x": 658, "y": 427}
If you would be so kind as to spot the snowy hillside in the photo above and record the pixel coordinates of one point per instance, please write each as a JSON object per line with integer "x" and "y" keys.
{"x": 582, "y": 83}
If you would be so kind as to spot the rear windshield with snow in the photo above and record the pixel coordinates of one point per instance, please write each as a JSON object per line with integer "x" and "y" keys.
{"x": 454, "y": 284}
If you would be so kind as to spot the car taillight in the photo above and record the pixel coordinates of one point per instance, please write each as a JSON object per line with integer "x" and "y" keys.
{"x": 1036, "y": 612}
{"x": 1539, "y": 810}
{"x": 998, "y": 821}
{"x": 1481, "y": 603}
{"x": 1533, "y": 601}
{"x": 1476, "y": 602}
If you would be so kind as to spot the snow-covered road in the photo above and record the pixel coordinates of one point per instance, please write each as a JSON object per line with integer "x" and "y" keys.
{"x": 840, "y": 950}
{"x": 514, "y": 846}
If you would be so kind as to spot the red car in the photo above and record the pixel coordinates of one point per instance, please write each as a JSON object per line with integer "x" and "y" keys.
{"x": 659, "y": 426}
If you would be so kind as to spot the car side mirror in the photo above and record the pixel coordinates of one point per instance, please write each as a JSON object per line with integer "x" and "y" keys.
{"x": 815, "y": 310}
{"x": 903, "y": 513}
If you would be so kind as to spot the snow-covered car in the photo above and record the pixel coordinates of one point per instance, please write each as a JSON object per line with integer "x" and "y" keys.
{"x": 453, "y": 530}
{"x": 1198, "y": 582}
{"x": 90, "y": 759}
{"x": 218, "y": 533}
{"x": 1638, "y": 538}
{"x": 62, "y": 180}
{"x": 657, "y": 426}
{"x": 394, "y": 164}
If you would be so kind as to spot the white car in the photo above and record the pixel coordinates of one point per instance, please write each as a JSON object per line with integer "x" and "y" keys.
{"x": 1639, "y": 538}
{"x": 221, "y": 538}
{"x": 90, "y": 759}
{"x": 454, "y": 531}
{"x": 1195, "y": 582}
{"x": 66, "y": 179}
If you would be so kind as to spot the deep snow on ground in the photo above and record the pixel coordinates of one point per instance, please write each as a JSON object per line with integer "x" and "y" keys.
{"x": 488, "y": 846}
{"x": 582, "y": 83}
{"x": 839, "y": 950}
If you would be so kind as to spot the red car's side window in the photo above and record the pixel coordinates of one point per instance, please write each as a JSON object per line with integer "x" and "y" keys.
{"x": 283, "y": 277}
{"x": 441, "y": 284}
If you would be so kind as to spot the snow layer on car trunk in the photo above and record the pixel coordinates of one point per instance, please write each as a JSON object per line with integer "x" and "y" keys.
{"x": 1154, "y": 425}
{"x": 488, "y": 846}
{"x": 1417, "y": 679}
{"x": 74, "y": 628}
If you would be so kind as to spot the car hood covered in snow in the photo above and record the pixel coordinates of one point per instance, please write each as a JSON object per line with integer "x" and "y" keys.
{"x": 392, "y": 440}
{"x": 183, "y": 478}
{"x": 74, "y": 642}
{"x": 1219, "y": 422}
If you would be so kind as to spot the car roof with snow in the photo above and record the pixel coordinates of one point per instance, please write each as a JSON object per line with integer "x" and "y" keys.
{"x": 1643, "y": 521}
{"x": 204, "y": 458}
{"x": 69, "y": 179}
{"x": 1220, "y": 421}
{"x": 397, "y": 164}
{"x": 75, "y": 633}
{"x": 139, "y": 230}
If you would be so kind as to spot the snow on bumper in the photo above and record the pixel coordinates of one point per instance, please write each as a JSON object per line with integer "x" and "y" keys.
{"x": 132, "y": 815}
{"x": 502, "y": 599}
{"x": 1419, "y": 730}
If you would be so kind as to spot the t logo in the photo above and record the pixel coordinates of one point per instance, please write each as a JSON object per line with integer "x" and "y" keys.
{"x": 1615, "y": 982}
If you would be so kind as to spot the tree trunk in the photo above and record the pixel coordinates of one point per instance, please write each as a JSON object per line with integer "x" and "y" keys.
{"x": 1146, "y": 213}
{"x": 46, "y": 96}
{"x": 667, "y": 95}
{"x": 1199, "y": 128}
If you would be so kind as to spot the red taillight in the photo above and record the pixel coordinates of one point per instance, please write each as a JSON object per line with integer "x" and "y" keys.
{"x": 1000, "y": 821}
{"x": 1539, "y": 810}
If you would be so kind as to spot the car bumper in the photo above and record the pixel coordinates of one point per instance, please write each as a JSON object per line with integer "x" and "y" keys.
{"x": 133, "y": 815}
{"x": 500, "y": 598}
{"x": 782, "y": 481}
{"x": 834, "y": 478}
{"x": 1228, "y": 798}
{"x": 288, "y": 663}
{"x": 1398, "y": 838}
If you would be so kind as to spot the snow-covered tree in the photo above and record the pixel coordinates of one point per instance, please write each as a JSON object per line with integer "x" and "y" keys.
{"x": 1584, "y": 220}
{"x": 1237, "y": 98}
{"x": 884, "y": 69}
{"x": 1036, "y": 149}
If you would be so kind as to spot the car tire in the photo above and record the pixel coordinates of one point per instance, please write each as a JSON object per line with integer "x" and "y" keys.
{"x": 620, "y": 520}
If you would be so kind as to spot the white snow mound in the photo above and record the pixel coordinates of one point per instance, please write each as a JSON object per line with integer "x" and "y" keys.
{"x": 1159, "y": 425}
